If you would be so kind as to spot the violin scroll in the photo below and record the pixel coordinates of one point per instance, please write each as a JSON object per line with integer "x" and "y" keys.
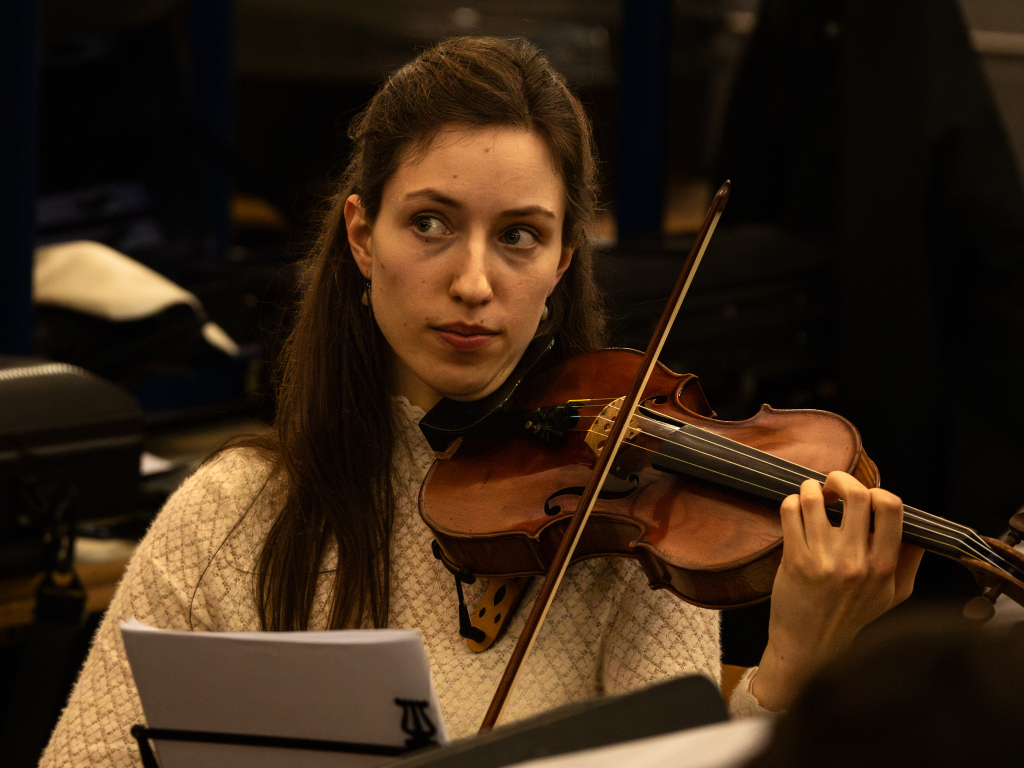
{"x": 982, "y": 607}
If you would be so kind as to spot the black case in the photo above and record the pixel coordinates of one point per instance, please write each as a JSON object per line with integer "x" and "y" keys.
{"x": 69, "y": 446}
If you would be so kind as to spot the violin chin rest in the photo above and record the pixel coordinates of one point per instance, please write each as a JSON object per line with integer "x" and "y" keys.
{"x": 496, "y": 608}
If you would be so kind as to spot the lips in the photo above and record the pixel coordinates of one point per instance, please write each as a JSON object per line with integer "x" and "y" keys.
{"x": 465, "y": 338}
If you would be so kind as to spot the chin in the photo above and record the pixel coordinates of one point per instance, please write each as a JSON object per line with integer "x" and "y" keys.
{"x": 460, "y": 389}
{"x": 467, "y": 394}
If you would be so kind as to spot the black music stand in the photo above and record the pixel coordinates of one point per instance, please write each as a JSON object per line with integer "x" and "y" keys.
{"x": 674, "y": 705}
{"x": 415, "y": 723}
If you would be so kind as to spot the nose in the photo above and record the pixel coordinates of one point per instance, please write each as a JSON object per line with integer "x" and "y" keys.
{"x": 471, "y": 281}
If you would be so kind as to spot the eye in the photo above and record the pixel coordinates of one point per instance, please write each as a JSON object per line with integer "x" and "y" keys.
{"x": 519, "y": 237}
{"x": 429, "y": 226}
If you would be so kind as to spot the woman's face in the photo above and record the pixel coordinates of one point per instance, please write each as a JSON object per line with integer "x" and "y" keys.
{"x": 465, "y": 250}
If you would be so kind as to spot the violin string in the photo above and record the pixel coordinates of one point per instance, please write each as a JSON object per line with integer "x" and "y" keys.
{"x": 968, "y": 540}
{"x": 953, "y": 536}
{"x": 914, "y": 520}
{"x": 804, "y": 473}
{"x": 937, "y": 537}
{"x": 959, "y": 538}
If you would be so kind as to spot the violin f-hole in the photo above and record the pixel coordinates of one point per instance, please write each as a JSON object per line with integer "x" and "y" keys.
{"x": 632, "y": 482}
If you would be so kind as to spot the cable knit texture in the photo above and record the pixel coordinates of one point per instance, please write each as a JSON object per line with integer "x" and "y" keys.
{"x": 607, "y": 631}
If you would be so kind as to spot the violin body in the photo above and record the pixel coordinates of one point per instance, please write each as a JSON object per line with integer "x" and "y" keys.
{"x": 499, "y": 505}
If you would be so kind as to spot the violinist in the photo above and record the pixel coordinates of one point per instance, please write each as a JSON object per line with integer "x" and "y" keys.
{"x": 456, "y": 236}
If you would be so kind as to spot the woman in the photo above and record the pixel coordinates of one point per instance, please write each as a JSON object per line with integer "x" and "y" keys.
{"x": 457, "y": 237}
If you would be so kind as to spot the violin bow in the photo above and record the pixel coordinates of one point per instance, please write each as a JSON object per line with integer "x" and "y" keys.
{"x": 563, "y": 556}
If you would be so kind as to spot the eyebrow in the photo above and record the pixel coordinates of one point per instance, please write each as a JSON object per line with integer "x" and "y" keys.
{"x": 439, "y": 197}
{"x": 432, "y": 194}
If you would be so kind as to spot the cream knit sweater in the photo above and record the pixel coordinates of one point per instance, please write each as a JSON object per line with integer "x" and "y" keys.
{"x": 607, "y": 631}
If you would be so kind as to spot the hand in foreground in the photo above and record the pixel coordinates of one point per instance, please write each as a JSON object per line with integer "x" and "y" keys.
{"x": 832, "y": 581}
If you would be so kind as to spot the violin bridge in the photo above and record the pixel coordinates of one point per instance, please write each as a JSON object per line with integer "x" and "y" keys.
{"x": 597, "y": 435}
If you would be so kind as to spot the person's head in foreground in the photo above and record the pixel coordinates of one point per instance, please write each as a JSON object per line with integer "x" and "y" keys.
{"x": 925, "y": 692}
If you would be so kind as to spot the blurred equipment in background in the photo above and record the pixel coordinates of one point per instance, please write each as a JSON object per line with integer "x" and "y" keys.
{"x": 138, "y": 96}
{"x": 70, "y": 446}
{"x": 867, "y": 128}
{"x": 870, "y": 127}
{"x": 108, "y": 313}
{"x": 137, "y": 153}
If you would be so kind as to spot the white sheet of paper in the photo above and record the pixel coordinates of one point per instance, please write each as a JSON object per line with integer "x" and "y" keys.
{"x": 337, "y": 685}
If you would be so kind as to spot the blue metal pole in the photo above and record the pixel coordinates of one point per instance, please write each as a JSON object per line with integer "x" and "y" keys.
{"x": 640, "y": 172}
{"x": 212, "y": 48}
{"x": 19, "y": 146}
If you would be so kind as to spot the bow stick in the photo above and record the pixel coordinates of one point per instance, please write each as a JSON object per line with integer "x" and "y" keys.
{"x": 618, "y": 431}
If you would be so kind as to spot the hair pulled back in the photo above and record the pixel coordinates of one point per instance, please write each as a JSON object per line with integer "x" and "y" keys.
{"x": 477, "y": 82}
{"x": 335, "y": 432}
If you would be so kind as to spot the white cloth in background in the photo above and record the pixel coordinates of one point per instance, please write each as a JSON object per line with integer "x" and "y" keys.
{"x": 94, "y": 279}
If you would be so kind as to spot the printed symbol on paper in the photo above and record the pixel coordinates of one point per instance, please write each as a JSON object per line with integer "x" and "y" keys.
{"x": 416, "y": 724}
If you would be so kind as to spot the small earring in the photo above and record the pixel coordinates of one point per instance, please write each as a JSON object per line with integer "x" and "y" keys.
{"x": 545, "y": 314}
{"x": 366, "y": 295}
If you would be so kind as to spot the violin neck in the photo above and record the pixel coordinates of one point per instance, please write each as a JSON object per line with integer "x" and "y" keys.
{"x": 689, "y": 451}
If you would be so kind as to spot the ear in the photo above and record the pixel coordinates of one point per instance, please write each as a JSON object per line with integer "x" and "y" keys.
{"x": 564, "y": 260}
{"x": 359, "y": 232}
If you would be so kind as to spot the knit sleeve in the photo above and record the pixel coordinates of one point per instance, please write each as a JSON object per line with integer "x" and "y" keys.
{"x": 187, "y": 569}
{"x": 743, "y": 703}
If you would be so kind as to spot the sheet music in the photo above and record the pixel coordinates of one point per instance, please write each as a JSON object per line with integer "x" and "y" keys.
{"x": 337, "y": 685}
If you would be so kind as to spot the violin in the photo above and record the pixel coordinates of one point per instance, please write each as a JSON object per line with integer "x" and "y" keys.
{"x": 693, "y": 499}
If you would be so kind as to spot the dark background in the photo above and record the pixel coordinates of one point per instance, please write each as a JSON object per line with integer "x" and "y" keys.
{"x": 869, "y": 262}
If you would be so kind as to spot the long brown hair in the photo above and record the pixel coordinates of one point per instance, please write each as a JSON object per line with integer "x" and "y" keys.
{"x": 335, "y": 434}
